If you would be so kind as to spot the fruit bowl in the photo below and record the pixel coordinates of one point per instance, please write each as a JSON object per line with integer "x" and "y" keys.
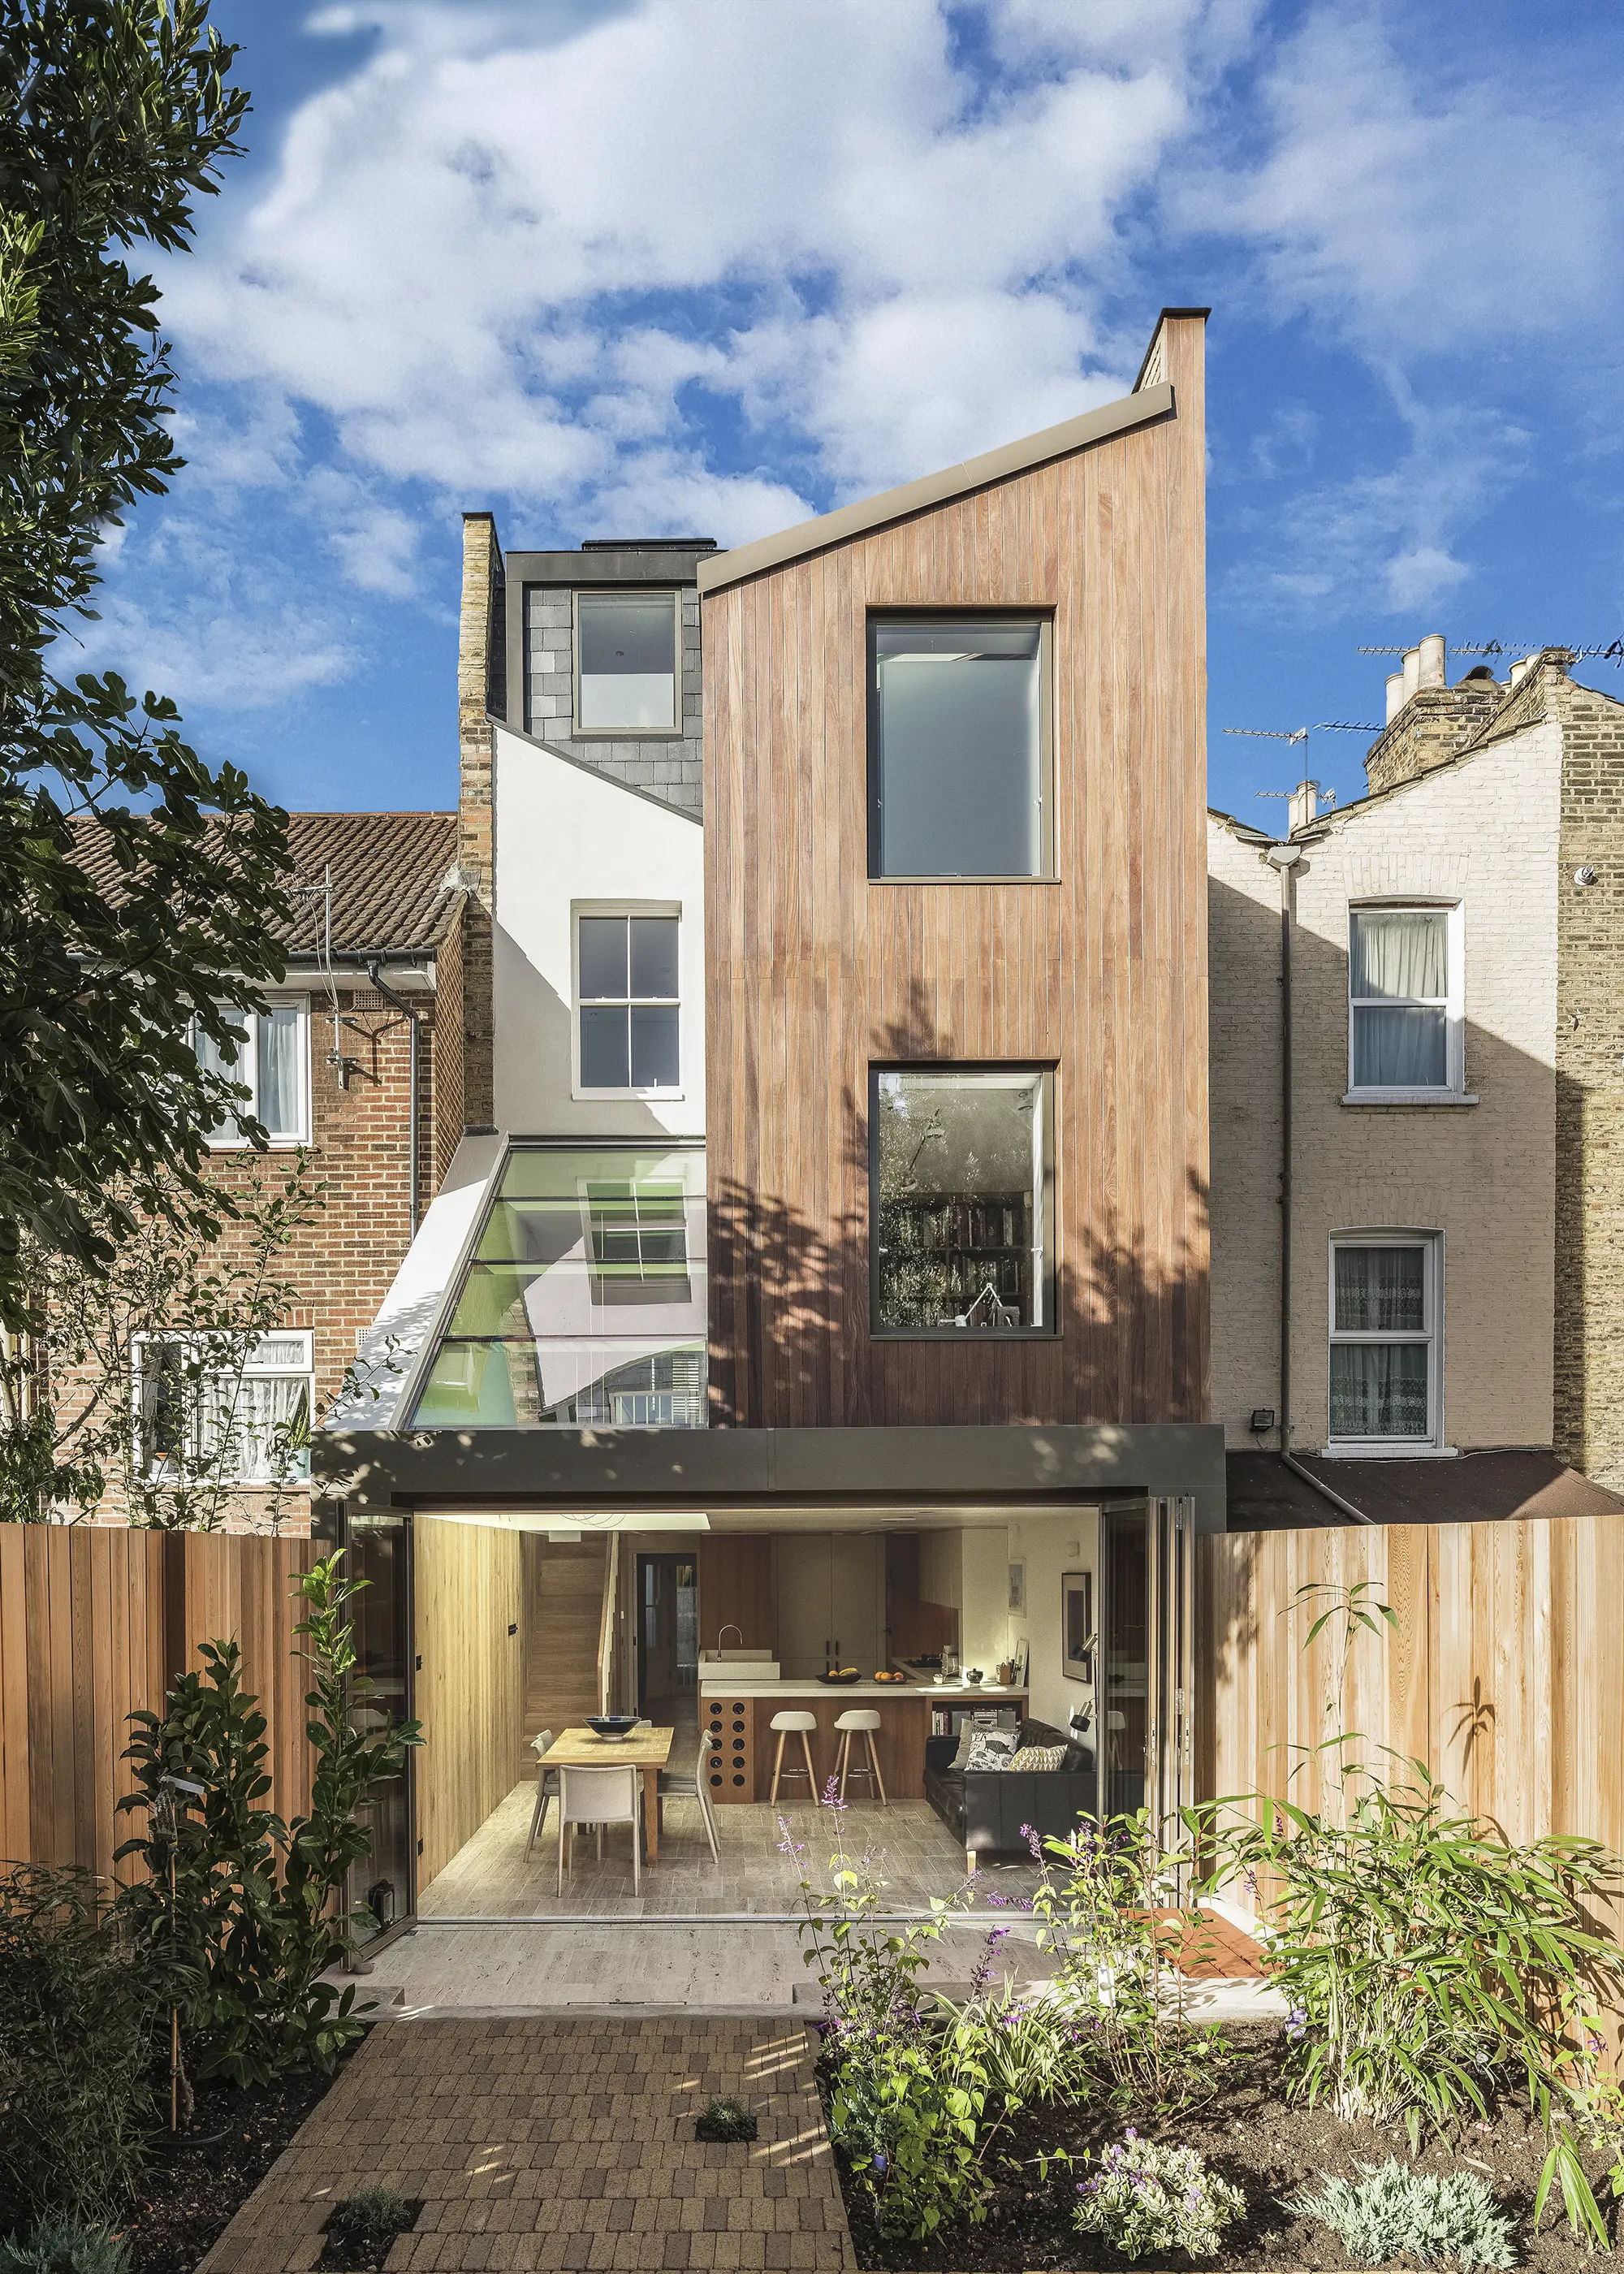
{"x": 611, "y": 1726}
{"x": 845, "y": 1673}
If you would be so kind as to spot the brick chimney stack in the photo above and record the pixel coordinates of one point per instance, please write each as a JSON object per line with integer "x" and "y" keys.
{"x": 1429, "y": 722}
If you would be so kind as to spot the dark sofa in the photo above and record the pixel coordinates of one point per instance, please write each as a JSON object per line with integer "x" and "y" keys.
{"x": 985, "y": 1809}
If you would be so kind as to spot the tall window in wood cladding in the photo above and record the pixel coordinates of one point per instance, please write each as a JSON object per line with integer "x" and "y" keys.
{"x": 959, "y": 747}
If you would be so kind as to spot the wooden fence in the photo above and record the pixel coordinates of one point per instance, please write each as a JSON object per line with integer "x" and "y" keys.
{"x": 1505, "y": 1674}
{"x": 96, "y": 1622}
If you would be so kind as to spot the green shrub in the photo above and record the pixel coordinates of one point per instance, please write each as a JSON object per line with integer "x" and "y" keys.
{"x": 724, "y": 2118}
{"x": 59, "y": 2247}
{"x": 254, "y": 1912}
{"x": 362, "y": 2227}
{"x": 908, "y": 2115}
{"x": 1102, "y": 1906}
{"x": 1395, "y": 2212}
{"x": 81, "y": 2020}
{"x": 1147, "y": 2198}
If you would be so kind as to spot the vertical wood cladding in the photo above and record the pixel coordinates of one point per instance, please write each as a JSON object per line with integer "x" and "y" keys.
{"x": 815, "y": 972}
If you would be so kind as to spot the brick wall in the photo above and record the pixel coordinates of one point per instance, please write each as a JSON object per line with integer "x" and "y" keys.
{"x": 1589, "y": 1085}
{"x": 360, "y": 1132}
{"x": 670, "y": 768}
{"x": 1433, "y": 725}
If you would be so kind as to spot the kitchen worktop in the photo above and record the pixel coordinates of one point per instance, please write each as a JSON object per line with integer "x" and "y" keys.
{"x": 713, "y": 1680}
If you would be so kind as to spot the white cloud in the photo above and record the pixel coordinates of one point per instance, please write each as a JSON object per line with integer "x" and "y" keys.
{"x": 498, "y": 253}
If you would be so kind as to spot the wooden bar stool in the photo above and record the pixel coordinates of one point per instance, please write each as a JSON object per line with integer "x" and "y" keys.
{"x": 791, "y": 1725}
{"x": 860, "y": 1722}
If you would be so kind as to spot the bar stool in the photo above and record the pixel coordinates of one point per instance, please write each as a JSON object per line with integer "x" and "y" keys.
{"x": 860, "y": 1721}
{"x": 790, "y": 1725}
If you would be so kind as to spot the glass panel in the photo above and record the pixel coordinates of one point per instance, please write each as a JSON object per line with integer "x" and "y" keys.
{"x": 256, "y": 1426}
{"x": 381, "y": 1883}
{"x": 1378, "y": 1389}
{"x": 628, "y": 662}
{"x": 278, "y": 1084}
{"x": 211, "y": 1058}
{"x": 1401, "y": 954}
{"x": 1380, "y": 1291}
{"x": 654, "y": 1046}
{"x": 1400, "y": 1050}
{"x": 585, "y": 1302}
{"x": 654, "y": 956}
{"x": 1124, "y": 1654}
{"x": 603, "y": 958}
{"x": 606, "y": 1061}
{"x": 956, "y": 778}
{"x": 961, "y": 1202}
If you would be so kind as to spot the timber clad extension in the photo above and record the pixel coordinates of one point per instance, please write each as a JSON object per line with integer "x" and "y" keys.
{"x": 815, "y": 972}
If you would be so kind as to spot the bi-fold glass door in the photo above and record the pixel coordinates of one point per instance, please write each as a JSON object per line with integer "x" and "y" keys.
{"x": 1145, "y": 1732}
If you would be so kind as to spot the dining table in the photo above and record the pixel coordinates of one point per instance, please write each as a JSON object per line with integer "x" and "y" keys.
{"x": 644, "y": 1749}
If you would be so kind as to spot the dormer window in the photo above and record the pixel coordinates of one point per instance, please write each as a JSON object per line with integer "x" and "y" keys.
{"x": 628, "y": 648}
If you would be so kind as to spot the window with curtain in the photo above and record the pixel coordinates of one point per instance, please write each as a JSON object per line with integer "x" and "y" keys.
{"x": 269, "y": 1058}
{"x": 1383, "y": 1358}
{"x": 243, "y": 1416}
{"x": 1402, "y": 998}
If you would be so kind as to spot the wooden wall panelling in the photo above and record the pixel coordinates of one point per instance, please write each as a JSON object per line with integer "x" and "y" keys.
{"x": 563, "y": 1588}
{"x": 816, "y": 972}
{"x": 86, "y": 1639}
{"x": 468, "y": 1589}
{"x": 735, "y": 1589}
{"x": 1505, "y": 1677}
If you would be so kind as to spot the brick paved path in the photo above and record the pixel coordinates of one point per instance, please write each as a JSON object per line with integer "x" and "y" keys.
{"x": 548, "y": 2142}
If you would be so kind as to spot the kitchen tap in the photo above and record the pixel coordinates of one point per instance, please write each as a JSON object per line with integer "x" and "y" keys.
{"x": 737, "y": 1630}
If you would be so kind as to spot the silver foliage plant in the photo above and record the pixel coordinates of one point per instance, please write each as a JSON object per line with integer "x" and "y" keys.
{"x": 1145, "y": 2197}
{"x": 1392, "y": 2212}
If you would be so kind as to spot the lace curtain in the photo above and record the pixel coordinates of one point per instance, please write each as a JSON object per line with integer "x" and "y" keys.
{"x": 1397, "y": 954}
{"x": 1380, "y": 1291}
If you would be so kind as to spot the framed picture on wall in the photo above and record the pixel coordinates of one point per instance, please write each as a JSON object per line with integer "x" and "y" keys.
{"x": 1077, "y": 1632}
{"x": 1018, "y": 1590}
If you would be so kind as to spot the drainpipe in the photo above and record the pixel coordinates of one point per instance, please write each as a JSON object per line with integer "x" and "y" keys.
{"x": 374, "y": 972}
{"x": 1284, "y": 859}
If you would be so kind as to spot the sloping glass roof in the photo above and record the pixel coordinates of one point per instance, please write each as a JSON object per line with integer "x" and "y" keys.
{"x": 582, "y": 1303}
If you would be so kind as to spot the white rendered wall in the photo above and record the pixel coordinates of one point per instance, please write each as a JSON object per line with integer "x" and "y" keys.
{"x": 1049, "y": 1545}
{"x": 564, "y": 836}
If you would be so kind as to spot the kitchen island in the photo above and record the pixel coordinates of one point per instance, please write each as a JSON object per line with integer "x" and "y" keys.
{"x": 740, "y": 1707}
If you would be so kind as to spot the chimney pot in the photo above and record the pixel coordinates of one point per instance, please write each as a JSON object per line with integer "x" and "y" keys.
{"x": 1412, "y": 671}
{"x": 1430, "y": 656}
{"x": 1304, "y": 805}
{"x": 1395, "y": 695}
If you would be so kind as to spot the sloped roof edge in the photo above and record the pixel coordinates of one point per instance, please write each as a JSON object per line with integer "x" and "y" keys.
{"x": 847, "y": 521}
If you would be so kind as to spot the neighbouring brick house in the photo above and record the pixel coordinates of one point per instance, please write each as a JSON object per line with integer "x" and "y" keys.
{"x": 1456, "y": 1005}
{"x": 373, "y": 998}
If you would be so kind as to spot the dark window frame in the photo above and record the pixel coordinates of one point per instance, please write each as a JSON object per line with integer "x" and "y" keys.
{"x": 1048, "y": 1070}
{"x": 1043, "y": 617}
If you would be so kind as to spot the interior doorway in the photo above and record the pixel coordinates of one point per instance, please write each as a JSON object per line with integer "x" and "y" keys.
{"x": 668, "y": 1638}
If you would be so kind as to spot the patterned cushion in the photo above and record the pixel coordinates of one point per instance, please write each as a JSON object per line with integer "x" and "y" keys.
{"x": 1039, "y": 1756}
{"x": 989, "y": 1748}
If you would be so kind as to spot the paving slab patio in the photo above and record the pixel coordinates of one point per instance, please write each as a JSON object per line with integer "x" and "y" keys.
{"x": 552, "y": 2142}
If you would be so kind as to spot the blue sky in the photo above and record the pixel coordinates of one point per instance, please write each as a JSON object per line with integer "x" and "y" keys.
{"x": 646, "y": 266}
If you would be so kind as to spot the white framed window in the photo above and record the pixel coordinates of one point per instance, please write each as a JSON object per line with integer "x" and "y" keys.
{"x": 1405, "y": 1002}
{"x": 243, "y": 1417}
{"x": 272, "y": 1061}
{"x": 628, "y": 659}
{"x": 627, "y": 1039}
{"x": 1384, "y": 1341}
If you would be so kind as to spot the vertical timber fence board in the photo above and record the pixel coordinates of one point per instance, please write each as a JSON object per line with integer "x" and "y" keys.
{"x": 93, "y": 1622}
{"x": 1505, "y": 1675}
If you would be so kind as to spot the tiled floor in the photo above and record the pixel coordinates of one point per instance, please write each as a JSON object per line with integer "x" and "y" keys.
{"x": 915, "y": 1853}
{"x": 548, "y": 2142}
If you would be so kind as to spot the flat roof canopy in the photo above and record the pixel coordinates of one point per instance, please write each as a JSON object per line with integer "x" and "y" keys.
{"x": 772, "y": 1471}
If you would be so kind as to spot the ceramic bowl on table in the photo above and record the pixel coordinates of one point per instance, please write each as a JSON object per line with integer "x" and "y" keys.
{"x": 611, "y": 1726}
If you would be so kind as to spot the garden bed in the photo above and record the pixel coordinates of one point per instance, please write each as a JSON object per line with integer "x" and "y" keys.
{"x": 194, "y": 2184}
{"x": 1248, "y": 2134}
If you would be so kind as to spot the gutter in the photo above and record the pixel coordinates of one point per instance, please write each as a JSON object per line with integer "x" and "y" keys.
{"x": 374, "y": 972}
{"x": 1284, "y": 859}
